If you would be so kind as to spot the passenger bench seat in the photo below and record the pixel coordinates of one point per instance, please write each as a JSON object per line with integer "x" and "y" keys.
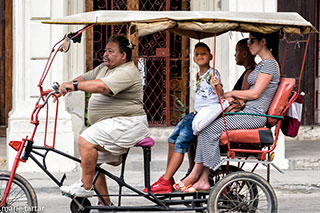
{"x": 262, "y": 136}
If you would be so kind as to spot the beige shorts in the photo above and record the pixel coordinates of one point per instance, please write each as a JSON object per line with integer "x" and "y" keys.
{"x": 116, "y": 135}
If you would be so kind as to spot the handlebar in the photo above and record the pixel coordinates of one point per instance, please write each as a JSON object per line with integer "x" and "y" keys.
{"x": 45, "y": 96}
{"x": 55, "y": 86}
{"x": 48, "y": 93}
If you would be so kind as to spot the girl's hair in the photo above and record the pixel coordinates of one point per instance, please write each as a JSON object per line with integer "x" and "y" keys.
{"x": 123, "y": 44}
{"x": 272, "y": 40}
{"x": 201, "y": 44}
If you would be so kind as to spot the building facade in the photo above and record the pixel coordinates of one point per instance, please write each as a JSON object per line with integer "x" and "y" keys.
{"x": 32, "y": 42}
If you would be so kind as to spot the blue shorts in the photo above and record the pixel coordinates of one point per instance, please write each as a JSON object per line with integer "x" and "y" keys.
{"x": 182, "y": 135}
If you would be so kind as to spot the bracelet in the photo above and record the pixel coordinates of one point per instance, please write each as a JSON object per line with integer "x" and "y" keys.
{"x": 75, "y": 85}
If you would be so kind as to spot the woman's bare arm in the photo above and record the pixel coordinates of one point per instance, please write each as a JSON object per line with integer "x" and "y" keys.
{"x": 261, "y": 84}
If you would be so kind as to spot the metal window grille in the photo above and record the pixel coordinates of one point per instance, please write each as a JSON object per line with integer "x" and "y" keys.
{"x": 163, "y": 61}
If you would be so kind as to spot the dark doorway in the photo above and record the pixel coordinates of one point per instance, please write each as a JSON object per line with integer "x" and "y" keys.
{"x": 5, "y": 63}
{"x": 309, "y": 83}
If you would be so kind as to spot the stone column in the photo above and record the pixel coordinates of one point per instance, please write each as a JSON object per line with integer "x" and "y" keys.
{"x": 32, "y": 44}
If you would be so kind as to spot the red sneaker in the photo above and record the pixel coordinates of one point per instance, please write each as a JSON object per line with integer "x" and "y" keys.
{"x": 161, "y": 186}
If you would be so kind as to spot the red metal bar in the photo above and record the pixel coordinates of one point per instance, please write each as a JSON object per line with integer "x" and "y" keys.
{"x": 34, "y": 117}
{"x": 296, "y": 41}
{"x": 223, "y": 115}
{"x": 50, "y": 60}
{"x": 36, "y": 124}
{"x": 304, "y": 56}
{"x": 284, "y": 55}
{"x": 13, "y": 172}
{"x": 303, "y": 61}
{"x": 214, "y": 54}
{"x": 55, "y": 125}
{"x": 46, "y": 125}
{"x": 52, "y": 50}
{"x": 167, "y": 81}
{"x": 32, "y": 114}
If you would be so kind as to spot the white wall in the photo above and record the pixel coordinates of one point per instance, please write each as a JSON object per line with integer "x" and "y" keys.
{"x": 32, "y": 42}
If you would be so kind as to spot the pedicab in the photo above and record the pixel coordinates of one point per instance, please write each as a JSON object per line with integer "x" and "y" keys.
{"x": 233, "y": 189}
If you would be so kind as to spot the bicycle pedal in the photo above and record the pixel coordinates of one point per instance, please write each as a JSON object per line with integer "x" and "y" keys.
{"x": 67, "y": 195}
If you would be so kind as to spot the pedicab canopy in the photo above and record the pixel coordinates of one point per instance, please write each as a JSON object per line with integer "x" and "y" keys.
{"x": 194, "y": 24}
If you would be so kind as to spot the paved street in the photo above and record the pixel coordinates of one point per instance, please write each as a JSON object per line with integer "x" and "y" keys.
{"x": 288, "y": 202}
{"x": 297, "y": 190}
{"x": 291, "y": 198}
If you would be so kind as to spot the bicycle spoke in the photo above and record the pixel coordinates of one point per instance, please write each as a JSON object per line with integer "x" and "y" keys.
{"x": 242, "y": 192}
{"x": 17, "y": 197}
{"x": 20, "y": 197}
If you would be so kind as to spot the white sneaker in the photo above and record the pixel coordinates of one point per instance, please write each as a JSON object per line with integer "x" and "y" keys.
{"x": 77, "y": 190}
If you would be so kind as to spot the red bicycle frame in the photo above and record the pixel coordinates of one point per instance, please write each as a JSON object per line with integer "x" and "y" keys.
{"x": 26, "y": 143}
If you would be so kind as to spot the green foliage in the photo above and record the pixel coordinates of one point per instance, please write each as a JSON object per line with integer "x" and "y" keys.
{"x": 86, "y": 121}
{"x": 181, "y": 107}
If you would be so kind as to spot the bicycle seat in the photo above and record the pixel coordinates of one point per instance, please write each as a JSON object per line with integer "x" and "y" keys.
{"x": 146, "y": 142}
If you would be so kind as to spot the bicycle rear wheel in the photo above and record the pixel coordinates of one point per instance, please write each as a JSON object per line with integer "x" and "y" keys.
{"x": 222, "y": 171}
{"x": 21, "y": 198}
{"x": 242, "y": 192}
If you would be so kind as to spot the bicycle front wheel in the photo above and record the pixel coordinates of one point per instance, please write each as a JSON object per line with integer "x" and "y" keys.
{"x": 21, "y": 198}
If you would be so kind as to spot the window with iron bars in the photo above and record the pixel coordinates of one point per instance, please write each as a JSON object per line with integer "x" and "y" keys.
{"x": 162, "y": 58}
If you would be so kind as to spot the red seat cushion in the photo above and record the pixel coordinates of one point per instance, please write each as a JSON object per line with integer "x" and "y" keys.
{"x": 260, "y": 136}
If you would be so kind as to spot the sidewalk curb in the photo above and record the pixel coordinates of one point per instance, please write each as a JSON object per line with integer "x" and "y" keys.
{"x": 298, "y": 188}
{"x": 304, "y": 164}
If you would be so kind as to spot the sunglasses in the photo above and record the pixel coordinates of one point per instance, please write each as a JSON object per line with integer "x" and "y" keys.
{"x": 251, "y": 40}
